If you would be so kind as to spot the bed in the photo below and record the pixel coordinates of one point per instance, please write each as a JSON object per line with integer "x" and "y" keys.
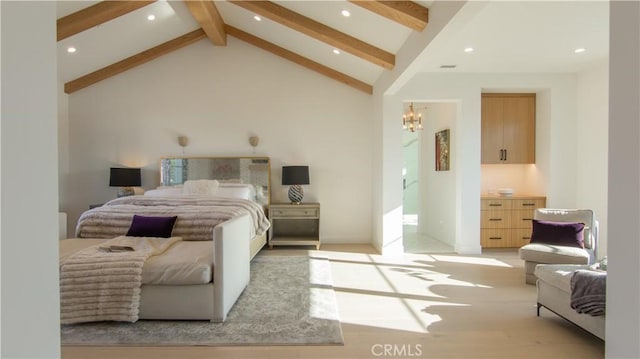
{"x": 225, "y": 228}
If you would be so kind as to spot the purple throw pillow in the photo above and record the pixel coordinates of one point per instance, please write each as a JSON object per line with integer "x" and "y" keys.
{"x": 558, "y": 233}
{"x": 143, "y": 226}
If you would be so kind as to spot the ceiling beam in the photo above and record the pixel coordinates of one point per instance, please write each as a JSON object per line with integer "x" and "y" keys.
{"x": 320, "y": 32}
{"x": 95, "y": 15}
{"x": 133, "y": 61}
{"x": 300, "y": 60}
{"x": 207, "y": 15}
{"x": 407, "y": 13}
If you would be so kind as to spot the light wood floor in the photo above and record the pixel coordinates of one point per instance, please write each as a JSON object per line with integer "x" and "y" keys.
{"x": 417, "y": 306}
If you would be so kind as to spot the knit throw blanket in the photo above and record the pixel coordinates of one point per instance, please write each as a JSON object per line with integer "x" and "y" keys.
{"x": 97, "y": 286}
{"x": 197, "y": 215}
{"x": 588, "y": 291}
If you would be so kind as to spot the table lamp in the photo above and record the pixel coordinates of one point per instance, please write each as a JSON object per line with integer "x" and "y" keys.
{"x": 295, "y": 176}
{"x": 126, "y": 179}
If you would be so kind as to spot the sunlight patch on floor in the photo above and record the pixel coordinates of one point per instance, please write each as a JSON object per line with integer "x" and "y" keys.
{"x": 397, "y": 291}
{"x": 388, "y": 312}
{"x": 471, "y": 260}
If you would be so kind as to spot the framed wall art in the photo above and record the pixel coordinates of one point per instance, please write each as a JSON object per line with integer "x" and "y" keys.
{"x": 442, "y": 150}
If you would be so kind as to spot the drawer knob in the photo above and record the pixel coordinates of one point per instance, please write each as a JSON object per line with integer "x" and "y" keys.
{"x": 528, "y": 204}
{"x": 495, "y": 219}
{"x": 495, "y": 238}
{"x": 495, "y": 204}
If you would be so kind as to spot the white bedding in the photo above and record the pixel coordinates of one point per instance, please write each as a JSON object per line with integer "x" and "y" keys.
{"x": 225, "y": 190}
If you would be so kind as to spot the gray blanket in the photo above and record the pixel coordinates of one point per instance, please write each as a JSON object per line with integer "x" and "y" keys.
{"x": 197, "y": 215}
{"x": 588, "y": 291}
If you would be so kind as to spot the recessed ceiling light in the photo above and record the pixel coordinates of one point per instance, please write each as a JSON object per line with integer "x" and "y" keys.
{"x": 71, "y": 49}
{"x": 579, "y": 50}
{"x": 468, "y": 49}
{"x": 336, "y": 51}
{"x": 257, "y": 18}
{"x": 151, "y": 17}
{"x": 345, "y": 13}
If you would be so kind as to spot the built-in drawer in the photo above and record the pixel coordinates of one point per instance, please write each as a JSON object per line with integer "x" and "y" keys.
{"x": 294, "y": 212}
{"x": 495, "y": 219}
{"x": 495, "y": 238}
{"x": 496, "y": 203}
{"x": 528, "y": 203}
{"x": 520, "y": 237}
{"x": 521, "y": 218}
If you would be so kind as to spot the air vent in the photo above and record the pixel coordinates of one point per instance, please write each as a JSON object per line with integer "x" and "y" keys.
{"x": 448, "y": 66}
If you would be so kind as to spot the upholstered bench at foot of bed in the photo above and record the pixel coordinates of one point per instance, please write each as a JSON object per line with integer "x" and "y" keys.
{"x": 554, "y": 293}
{"x": 539, "y": 253}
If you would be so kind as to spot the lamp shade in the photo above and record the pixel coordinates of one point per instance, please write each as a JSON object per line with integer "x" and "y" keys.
{"x": 295, "y": 175}
{"x": 124, "y": 177}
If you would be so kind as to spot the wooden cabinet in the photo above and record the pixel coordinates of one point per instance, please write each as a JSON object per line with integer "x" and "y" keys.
{"x": 508, "y": 128}
{"x": 294, "y": 224}
{"x": 505, "y": 222}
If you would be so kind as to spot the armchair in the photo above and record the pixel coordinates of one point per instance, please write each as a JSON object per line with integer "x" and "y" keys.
{"x": 543, "y": 253}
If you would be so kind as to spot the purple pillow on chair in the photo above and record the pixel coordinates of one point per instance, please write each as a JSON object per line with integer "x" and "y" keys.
{"x": 142, "y": 226}
{"x": 558, "y": 233}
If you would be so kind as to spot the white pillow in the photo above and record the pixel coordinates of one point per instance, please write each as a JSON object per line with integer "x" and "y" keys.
{"x": 243, "y": 192}
{"x": 203, "y": 187}
{"x": 164, "y": 192}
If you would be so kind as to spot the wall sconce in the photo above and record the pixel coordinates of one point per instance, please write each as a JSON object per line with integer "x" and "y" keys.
{"x": 412, "y": 121}
{"x": 183, "y": 141}
{"x": 253, "y": 141}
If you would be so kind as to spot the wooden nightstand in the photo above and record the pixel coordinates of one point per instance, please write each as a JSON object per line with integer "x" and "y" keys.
{"x": 294, "y": 224}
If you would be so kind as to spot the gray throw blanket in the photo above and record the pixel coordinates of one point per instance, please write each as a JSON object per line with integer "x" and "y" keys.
{"x": 588, "y": 291}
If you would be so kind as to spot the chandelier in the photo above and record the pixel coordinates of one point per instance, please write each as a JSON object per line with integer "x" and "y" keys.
{"x": 411, "y": 120}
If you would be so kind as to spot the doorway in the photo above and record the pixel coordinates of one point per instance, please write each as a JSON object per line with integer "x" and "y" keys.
{"x": 420, "y": 181}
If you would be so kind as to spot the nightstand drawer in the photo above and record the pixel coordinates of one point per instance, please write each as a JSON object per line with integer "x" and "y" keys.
{"x": 294, "y": 212}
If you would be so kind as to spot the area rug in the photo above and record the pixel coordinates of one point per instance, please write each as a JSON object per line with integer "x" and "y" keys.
{"x": 289, "y": 301}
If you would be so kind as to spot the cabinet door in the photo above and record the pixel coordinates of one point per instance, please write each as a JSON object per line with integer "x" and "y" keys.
{"x": 519, "y": 132}
{"x": 492, "y": 139}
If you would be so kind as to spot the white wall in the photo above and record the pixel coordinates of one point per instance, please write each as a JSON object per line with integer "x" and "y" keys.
{"x": 593, "y": 144}
{"x": 218, "y": 97}
{"x": 555, "y": 133}
{"x": 387, "y": 108}
{"x": 30, "y": 296}
{"x": 524, "y": 179}
{"x": 437, "y": 188}
{"x": 623, "y": 280}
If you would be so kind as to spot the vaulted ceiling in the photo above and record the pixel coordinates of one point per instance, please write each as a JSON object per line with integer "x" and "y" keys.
{"x": 111, "y": 37}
